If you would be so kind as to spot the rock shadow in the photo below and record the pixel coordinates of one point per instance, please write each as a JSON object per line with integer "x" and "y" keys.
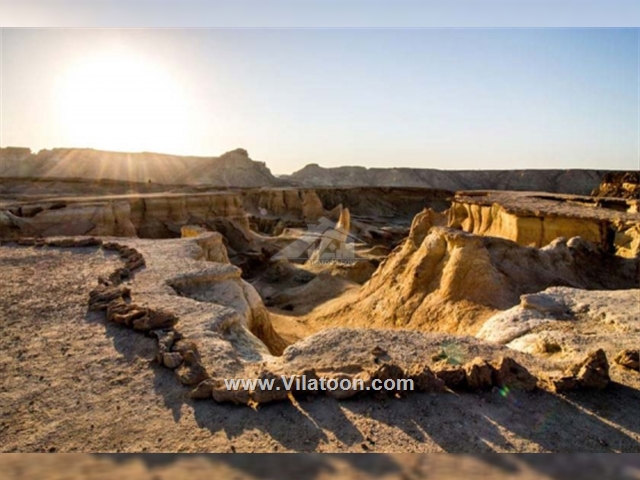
{"x": 477, "y": 422}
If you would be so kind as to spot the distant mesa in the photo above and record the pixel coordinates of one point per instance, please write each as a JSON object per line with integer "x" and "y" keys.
{"x": 236, "y": 169}
{"x": 232, "y": 169}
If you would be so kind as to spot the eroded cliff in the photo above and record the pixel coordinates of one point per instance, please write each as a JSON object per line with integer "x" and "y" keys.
{"x": 442, "y": 279}
{"x": 536, "y": 219}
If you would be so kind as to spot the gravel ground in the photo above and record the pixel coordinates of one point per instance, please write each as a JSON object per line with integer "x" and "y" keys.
{"x": 72, "y": 383}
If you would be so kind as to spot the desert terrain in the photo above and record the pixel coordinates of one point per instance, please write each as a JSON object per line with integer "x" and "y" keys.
{"x": 134, "y": 286}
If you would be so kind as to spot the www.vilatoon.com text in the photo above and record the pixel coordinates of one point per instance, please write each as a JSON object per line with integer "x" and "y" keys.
{"x": 302, "y": 383}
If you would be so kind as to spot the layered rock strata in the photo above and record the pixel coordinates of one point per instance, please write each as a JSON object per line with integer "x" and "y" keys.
{"x": 536, "y": 219}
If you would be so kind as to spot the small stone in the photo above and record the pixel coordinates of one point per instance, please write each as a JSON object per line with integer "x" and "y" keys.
{"x": 629, "y": 359}
{"x": 191, "y": 372}
{"x": 101, "y": 296}
{"x": 155, "y": 319}
{"x": 171, "y": 360}
{"x": 509, "y": 373}
{"x": 378, "y": 351}
{"x": 221, "y": 394}
{"x": 544, "y": 303}
{"x": 479, "y": 374}
{"x": 453, "y": 377}
{"x": 203, "y": 391}
{"x": 426, "y": 381}
{"x": 166, "y": 339}
{"x": 593, "y": 371}
{"x": 560, "y": 383}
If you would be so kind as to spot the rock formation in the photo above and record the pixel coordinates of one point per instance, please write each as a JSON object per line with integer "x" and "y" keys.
{"x": 536, "y": 219}
{"x": 619, "y": 184}
{"x": 233, "y": 213}
{"x": 591, "y": 373}
{"x": 447, "y": 280}
{"x": 210, "y": 325}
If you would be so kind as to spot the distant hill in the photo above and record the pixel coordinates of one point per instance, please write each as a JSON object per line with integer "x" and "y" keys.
{"x": 232, "y": 169}
{"x": 237, "y": 169}
{"x": 578, "y": 182}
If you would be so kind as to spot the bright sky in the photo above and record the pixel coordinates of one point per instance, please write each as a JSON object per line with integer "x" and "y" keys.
{"x": 431, "y": 98}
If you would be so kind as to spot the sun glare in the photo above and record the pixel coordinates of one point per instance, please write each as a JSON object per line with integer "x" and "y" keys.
{"x": 118, "y": 101}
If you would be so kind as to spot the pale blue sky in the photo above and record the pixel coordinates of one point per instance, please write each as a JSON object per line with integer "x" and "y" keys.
{"x": 320, "y": 13}
{"x": 440, "y": 98}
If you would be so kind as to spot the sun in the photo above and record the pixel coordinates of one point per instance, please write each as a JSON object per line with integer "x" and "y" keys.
{"x": 116, "y": 100}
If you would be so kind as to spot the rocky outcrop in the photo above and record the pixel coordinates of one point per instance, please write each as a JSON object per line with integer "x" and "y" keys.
{"x": 579, "y": 182}
{"x": 447, "y": 280}
{"x": 302, "y": 204}
{"x": 230, "y": 212}
{"x": 629, "y": 358}
{"x": 234, "y": 168}
{"x": 565, "y": 324}
{"x": 538, "y": 219}
{"x": 619, "y": 184}
{"x": 591, "y": 373}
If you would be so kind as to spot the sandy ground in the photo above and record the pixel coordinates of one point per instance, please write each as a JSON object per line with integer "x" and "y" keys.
{"x": 72, "y": 383}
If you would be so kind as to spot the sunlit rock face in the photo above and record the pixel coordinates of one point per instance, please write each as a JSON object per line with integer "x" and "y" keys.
{"x": 232, "y": 212}
{"x": 537, "y": 219}
{"x": 557, "y": 321}
{"x": 452, "y": 281}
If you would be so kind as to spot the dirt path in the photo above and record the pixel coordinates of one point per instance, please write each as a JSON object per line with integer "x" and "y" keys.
{"x": 71, "y": 382}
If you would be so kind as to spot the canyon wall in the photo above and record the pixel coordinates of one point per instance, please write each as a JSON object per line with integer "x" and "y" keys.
{"x": 537, "y": 220}
{"x": 231, "y": 212}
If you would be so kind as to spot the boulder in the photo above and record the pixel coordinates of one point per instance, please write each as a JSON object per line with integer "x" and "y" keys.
{"x": 479, "y": 374}
{"x": 425, "y": 380}
{"x": 453, "y": 377}
{"x": 509, "y": 373}
{"x": 171, "y": 360}
{"x": 559, "y": 383}
{"x": 203, "y": 391}
{"x": 629, "y": 359}
{"x": 191, "y": 372}
{"x": 593, "y": 371}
